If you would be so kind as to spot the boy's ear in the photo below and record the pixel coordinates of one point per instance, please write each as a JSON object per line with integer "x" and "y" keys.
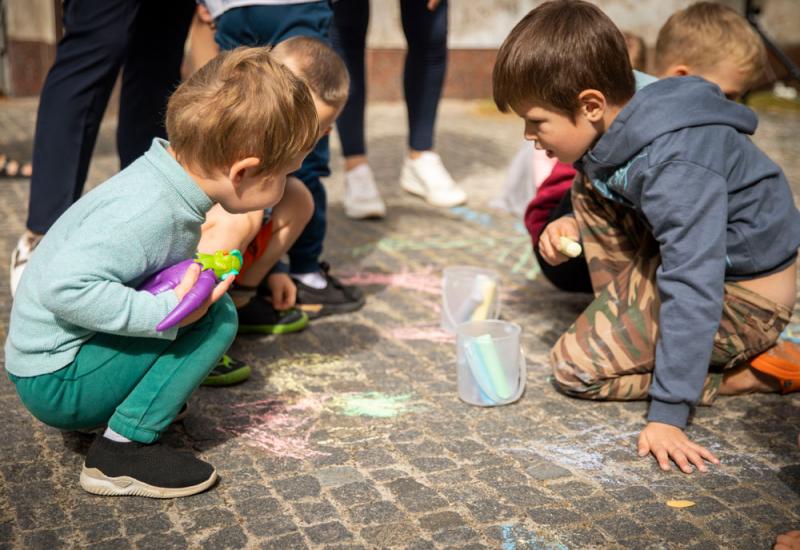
{"x": 592, "y": 104}
{"x": 239, "y": 169}
{"x": 676, "y": 70}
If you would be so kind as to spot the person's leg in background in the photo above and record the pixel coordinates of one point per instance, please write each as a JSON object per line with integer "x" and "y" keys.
{"x": 424, "y": 173}
{"x": 348, "y": 37}
{"x": 151, "y": 72}
{"x": 71, "y": 107}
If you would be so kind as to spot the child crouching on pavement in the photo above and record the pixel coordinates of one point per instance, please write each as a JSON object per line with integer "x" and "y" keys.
{"x": 690, "y": 231}
{"x": 265, "y": 236}
{"x": 82, "y": 347}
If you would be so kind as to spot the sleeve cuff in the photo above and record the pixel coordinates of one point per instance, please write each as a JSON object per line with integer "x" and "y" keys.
{"x": 675, "y": 414}
{"x": 279, "y": 267}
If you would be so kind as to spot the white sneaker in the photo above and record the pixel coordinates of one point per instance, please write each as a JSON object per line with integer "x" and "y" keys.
{"x": 427, "y": 177}
{"x": 361, "y": 197}
{"x": 19, "y": 258}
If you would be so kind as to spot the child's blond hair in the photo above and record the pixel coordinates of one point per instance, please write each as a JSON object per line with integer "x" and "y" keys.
{"x": 320, "y": 66}
{"x": 706, "y": 33}
{"x": 243, "y": 103}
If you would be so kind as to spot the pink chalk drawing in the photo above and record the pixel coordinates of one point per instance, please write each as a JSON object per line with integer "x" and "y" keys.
{"x": 274, "y": 427}
{"x": 427, "y": 280}
{"x": 430, "y": 332}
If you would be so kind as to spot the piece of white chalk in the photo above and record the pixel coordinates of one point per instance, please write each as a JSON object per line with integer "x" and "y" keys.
{"x": 568, "y": 247}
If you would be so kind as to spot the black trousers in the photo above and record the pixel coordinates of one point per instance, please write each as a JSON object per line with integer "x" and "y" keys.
{"x": 145, "y": 39}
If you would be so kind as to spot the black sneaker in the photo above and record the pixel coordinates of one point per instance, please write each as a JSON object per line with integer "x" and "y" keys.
{"x": 334, "y": 298}
{"x": 258, "y": 316}
{"x": 227, "y": 372}
{"x": 155, "y": 471}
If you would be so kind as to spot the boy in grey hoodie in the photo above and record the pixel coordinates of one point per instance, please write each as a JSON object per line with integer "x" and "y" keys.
{"x": 689, "y": 230}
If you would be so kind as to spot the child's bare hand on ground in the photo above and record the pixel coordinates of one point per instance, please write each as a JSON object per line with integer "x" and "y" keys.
{"x": 666, "y": 442}
{"x": 788, "y": 541}
{"x": 188, "y": 281}
{"x": 283, "y": 290}
{"x": 549, "y": 245}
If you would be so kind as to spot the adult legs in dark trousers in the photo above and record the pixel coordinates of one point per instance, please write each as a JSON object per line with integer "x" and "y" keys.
{"x": 423, "y": 78}
{"x": 145, "y": 39}
{"x": 318, "y": 292}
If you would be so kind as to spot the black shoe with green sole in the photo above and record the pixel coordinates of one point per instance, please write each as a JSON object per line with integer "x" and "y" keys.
{"x": 227, "y": 372}
{"x": 258, "y": 316}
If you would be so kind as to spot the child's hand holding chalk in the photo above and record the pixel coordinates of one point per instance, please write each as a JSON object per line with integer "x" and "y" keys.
{"x": 559, "y": 241}
{"x": 568, "y": 247}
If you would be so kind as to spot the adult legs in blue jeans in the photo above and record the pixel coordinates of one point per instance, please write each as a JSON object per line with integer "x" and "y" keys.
{"x": 425, "y": 67}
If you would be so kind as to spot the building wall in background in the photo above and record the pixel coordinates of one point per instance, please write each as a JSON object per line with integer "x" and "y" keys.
{"x": 31, "y": 34}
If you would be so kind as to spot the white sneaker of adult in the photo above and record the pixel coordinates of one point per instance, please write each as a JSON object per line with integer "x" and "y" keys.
{"x": 19, "y": 258}
{"x": 361, "y": 197}
{"x": 427, "y": 177}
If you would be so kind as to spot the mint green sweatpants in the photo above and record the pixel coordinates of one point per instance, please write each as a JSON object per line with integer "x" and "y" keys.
{"x": 135, "y": 385}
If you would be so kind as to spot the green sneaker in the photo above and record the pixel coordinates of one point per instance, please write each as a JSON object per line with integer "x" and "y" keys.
{"x": 259, "y": 317}
{"x": 227, "y": 372}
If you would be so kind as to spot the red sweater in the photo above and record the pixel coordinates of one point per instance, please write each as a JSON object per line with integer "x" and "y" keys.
{"x": 549, "y": 194}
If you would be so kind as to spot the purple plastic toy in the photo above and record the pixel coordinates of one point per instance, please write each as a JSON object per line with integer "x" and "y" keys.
{"x": 215, "y": 267}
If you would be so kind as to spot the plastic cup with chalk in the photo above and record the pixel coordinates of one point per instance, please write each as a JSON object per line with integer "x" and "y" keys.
{"x": 469, "y": 293}
{"x": 490, "y": 363}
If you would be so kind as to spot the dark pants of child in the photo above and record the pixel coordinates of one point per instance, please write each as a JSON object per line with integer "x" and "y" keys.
{"x": 609, "y": 352}
{"x": 262, "y": 25}
{"x": 146, "y": 39}
{"x": 572, "y": 275}
{"x": 423, "y": 77}
{"x": 135, "y": 385}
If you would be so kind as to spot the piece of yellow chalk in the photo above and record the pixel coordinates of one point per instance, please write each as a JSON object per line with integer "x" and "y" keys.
{"x": 568, "y": 247}
{"x": 489, "y": 289}
{"x": 680, "y": 503}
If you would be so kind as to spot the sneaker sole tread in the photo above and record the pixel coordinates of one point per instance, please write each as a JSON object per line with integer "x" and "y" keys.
{"x": 96, "y": 482}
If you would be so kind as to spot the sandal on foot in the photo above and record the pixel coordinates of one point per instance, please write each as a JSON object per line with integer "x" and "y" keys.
{"x": 782, "y": 362}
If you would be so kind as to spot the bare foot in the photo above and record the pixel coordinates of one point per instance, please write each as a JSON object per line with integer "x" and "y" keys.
{"x": 747, "y": 380}
{"x": 788, "y": 541}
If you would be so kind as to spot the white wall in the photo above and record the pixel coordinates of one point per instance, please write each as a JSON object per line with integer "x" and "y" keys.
{"x": 485, "y": 23}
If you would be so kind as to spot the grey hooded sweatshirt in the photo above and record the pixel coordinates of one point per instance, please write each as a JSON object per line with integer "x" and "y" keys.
{"x": 680, "y": 155}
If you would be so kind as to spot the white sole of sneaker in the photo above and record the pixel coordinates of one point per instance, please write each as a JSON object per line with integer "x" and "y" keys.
{"x": 364, "y": 214}
{"x": 96, "y": 482}
{"x": 410, "y": 184}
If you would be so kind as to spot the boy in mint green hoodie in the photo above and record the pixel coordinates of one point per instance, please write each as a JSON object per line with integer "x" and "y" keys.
{"x": 82, "y": 347}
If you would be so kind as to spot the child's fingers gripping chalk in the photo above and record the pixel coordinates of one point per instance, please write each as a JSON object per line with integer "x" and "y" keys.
{"x": 568, "y": 247}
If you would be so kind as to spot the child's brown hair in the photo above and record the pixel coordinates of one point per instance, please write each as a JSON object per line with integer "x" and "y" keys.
{"x": 320, "y": 66}
{"x": 558, "y": 50}
{"x": 704, "y": 34}
{"x": 243, "y": 103}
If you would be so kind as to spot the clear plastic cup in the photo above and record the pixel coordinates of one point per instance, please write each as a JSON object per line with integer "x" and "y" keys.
{"x": 469, "y": 294}
{"x": 491, "y": 365}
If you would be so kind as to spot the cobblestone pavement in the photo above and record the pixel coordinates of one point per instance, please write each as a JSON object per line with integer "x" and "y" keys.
{"x": 350, "y": 434}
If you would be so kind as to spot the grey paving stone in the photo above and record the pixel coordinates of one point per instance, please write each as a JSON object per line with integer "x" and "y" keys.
{"x": 355, "y": 493}
{"x": 332, "y": 531}
{"x": 298, "y": 487}
{"x": 315, "y": 512}
{"x": 414, "y": 496}
{"x": 376, "y": 512}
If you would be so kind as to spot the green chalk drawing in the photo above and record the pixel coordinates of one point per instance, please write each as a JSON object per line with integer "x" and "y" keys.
{"x": 373, "y": 404}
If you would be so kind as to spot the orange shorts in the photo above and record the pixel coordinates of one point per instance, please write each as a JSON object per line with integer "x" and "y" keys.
{"x": 257, "y": 246}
